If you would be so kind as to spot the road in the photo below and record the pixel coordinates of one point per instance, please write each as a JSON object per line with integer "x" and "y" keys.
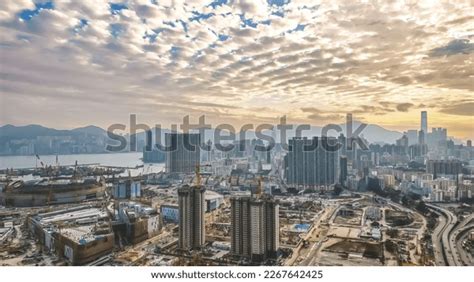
{"x": 458, "y": 234}
{"x": 310, "y": 257}
{"x": 462, "y": 235}
{"x": 328, "y": 216}
{"x": 141, "y": 249}
{"x": 436, "y": 238}
{"x": 443, "y": 242}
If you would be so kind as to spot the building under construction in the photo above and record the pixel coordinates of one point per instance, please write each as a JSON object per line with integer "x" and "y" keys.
{"x": 79, "y": 235}
{"x": 137, "y": 222}
{"x": 255, "y": 227}
{"x": 191, "y": 217}
{"x": 47, "y": 191}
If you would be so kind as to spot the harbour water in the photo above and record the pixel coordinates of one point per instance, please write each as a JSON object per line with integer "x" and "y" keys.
{"x": 120, "y": 160}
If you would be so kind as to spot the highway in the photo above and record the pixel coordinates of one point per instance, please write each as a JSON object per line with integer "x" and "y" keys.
{"x": 459, "y": 233}
{"x": 444, "y": 244}
{"x": 436, "y": 238}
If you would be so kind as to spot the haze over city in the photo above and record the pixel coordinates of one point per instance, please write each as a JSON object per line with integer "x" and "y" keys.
{"x": 94, "y": 62}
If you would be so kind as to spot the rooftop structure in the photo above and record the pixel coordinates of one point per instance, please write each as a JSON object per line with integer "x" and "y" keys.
{"x": 80, "y": 234}
{"x": 48, "y": 191}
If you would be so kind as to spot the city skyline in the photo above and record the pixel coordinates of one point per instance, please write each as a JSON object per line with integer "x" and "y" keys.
{"x": 135, "y": 125}
{"x": 237, "y": 61}
{"x": 35, "y": 139}
{"x": 236, "y": 139}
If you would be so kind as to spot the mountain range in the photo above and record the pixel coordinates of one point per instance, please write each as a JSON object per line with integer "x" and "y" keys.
{"x": 373, "y": 133}
{"x": 34, "y": 130}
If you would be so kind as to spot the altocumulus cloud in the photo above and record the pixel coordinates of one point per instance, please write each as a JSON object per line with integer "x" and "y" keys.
{"x": 229, "y": 58}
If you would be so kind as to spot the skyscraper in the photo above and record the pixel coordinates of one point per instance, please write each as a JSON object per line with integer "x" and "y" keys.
{"x": 343, "y": 170}
{"x": 312, "y": 162}
{"x": 150, "y": 153}
{"x": 437, "y": 138}
{"x": 421, "y": 137}
{"x": 424, "y": 122}
{"x": 402, "y": 144}
{"x": 412, "y": 136}
{"x": 192, "y": 206}
{"x": 240, "y": 226}
{"x": 183, "y": 152}
{"x": 255, "y": 227}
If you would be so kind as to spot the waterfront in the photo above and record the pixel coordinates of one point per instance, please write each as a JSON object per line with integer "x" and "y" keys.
{"x": 119, "y": 159}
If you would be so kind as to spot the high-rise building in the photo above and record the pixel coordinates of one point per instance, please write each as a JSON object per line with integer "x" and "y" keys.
{"x": 240, "y": 226}
{"x": 343, "y": 141}
{"x": 421, "y": 137}
{"x": 443, "y": 167}
{"x": 191, "y": 203}
{"x": 403, "y": 143}
{"x": 255, "y": 227}
{"x": 312, "y": 162}
{"x": 150, "y": 153}
{"x": 343, "y": 170}
{"x": 437, "y": 138}
{"x": 412, "y": 135}
{"x": 417, "y": 151}
{"x": 153, "y": 156}
{"x": 183, "y": 152}
{"x": 424, "y": 122}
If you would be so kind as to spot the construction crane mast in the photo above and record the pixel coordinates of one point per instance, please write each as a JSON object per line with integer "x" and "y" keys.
{"x": 259, "y": 190}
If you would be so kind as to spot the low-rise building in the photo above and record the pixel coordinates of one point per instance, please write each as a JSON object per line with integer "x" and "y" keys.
{"x": 126, "y": 189}
{"x": 140, "y": 221}
{"x": 79, "y": 235}
{"x": 213, "y": 200}
{"x": 169, "y": 213}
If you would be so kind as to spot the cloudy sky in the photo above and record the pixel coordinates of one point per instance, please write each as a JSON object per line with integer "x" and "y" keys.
{"x": 70, "y": 63}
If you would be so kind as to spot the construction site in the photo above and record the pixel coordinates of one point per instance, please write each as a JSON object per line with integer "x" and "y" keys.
{"x": 357, "y": 232}
{"x": 133, "y": 219}
{"x": 43, "y": 192}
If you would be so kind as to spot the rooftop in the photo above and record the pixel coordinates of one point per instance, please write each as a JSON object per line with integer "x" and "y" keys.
{"x": 80, "y": 234}
{"x": 72, "y": 214}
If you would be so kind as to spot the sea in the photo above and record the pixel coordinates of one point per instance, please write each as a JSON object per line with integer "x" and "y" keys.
{"x": 129, "y": 160}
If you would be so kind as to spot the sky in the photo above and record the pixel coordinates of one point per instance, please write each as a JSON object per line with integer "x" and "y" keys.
{"x": 68, "y": 63}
